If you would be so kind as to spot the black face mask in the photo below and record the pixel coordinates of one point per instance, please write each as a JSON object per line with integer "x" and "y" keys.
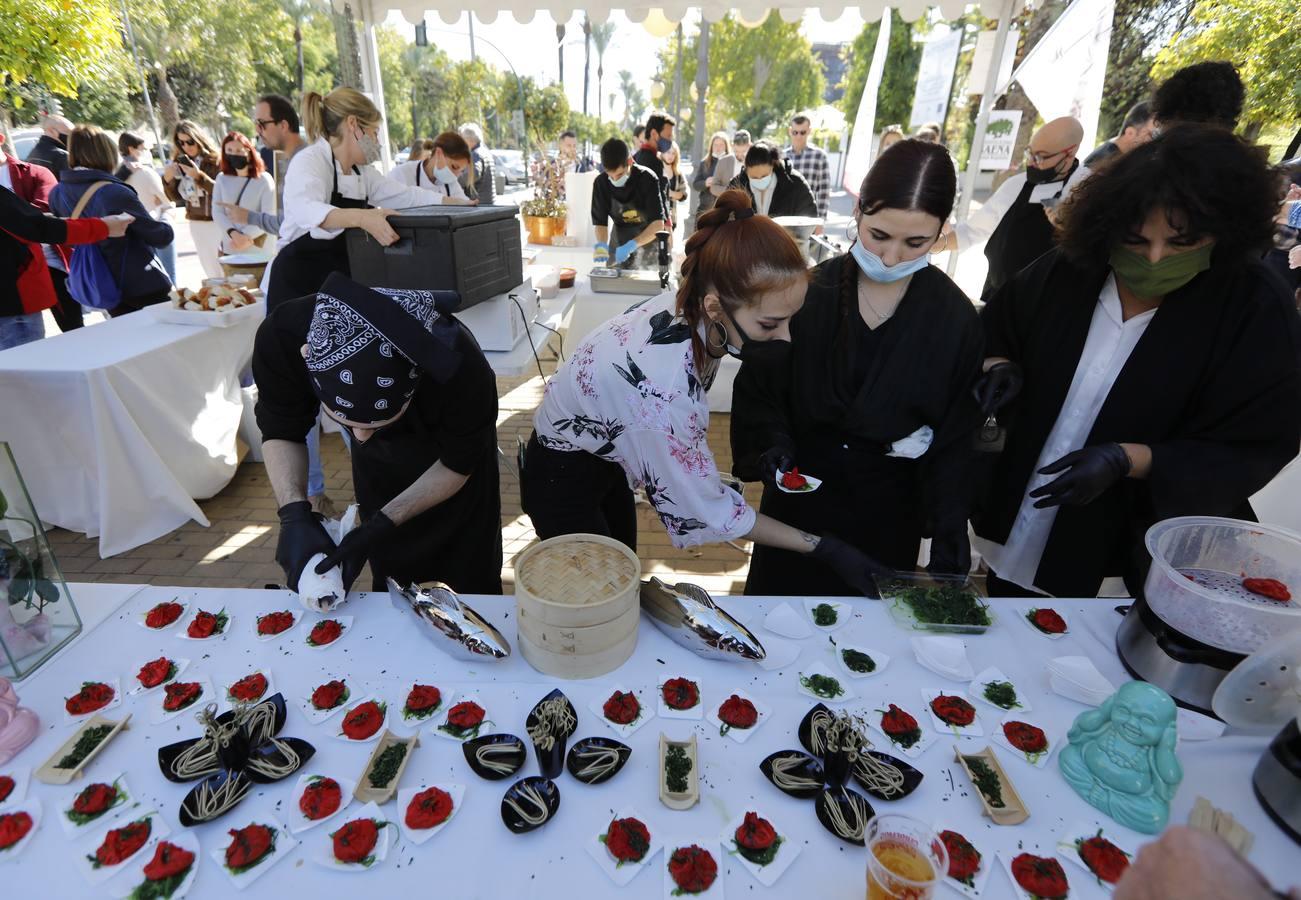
{"x": 236, "y": 162}
{"x": 1036, "y": 175}
{"x": 756, "y": 352}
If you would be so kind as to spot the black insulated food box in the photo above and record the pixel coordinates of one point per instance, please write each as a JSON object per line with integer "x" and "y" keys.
{"x": 473, "y": 250}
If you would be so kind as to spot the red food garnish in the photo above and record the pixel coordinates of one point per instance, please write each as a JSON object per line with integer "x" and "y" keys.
{"x": 324, "y": 632}
{"x": 964, "y": 859}
{"x": 953, "y": 710}
{"x": 355, "y": 841}
{"x": 94, "y": 799}
{"x": 1269, "y": 588}
{"x": 429, "y": 808}
{"x": 423, "y": 697}
{"x": 622, "y": 708}
{"x": 680, "y": 693}
{"x": 1025, "y": 737}
{"x": 13, "y": 828}
{"x": 1103, "y": 858}
{"x": 248, "y": 845}
{"x": 180, "y": 694}
{"x": 329, "y": 695}
{"x": 6, "y": 787}
{"x": 794, "y": 481}
{"x": 203, "y": 625}
{"x": 120, "y": 843}
{"x": 249, "y": 688}
{"x": 321, "y": 798}
{"x": 627, "y": 839}
{"x": 92, "y": 696}
{"x": 154, "y": 673}
{"x": 1048, "y": 621}
{"x": 755, "y": 833}
{"x": 465, "y": 715}
{"x": 1042, "y": 876}
{"x": 168, "y": 860}
{"x": 363, "y": 720}
{"x": 276, "y": 622}
{"x": 738, "y": 712}
{"x": 163, "y": 615}
{"x": 693, "y": 869}
{"x": 900, "y": 727}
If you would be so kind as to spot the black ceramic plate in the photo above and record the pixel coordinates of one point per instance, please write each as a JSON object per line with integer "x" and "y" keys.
{"x": 911, "y": 777}
{"x": 809, "y": 767}
{"x": 189, "y": 806}
{"x": 846, "y": 799}
{"x": 515, "y": 759}
{"x": 549, "y": 793}
{"x": 270, "y": 754}
{"x": 554, "y": 695}
{"x": 166, "y": 755}
{"x": 551, "y": 762}
{"x": 576, "y": 763}
{"x": 806, "y": 726}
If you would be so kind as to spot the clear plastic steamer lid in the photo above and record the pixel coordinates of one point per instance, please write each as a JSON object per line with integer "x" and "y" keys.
{"x": 1195, "y": 584}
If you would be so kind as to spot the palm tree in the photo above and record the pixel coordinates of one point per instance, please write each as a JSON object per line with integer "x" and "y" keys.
{"x": 633, "y": 99}
{"x": 601, "y": 36}
{"x": 298, "y": 11}
{"x": 587, "y": 57}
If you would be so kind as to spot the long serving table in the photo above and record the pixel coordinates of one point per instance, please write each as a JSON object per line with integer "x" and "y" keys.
{"x": 475, "y": 856}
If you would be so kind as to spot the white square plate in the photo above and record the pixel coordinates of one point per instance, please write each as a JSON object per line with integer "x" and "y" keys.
{"x": 1005, "y": 857}
{"x": 765, "y": 875}
{"x": 667, "y": 712}
{"x": 844, "y": 612}
{"x": 436, "y": 728}
{"x": 283, "y": 844}
{"x": 280, "y": 635}
{"x": 337, "y": 728}
{"x": 345, "y": 621}
{"x": 32, "y": 808}
{"x": 818, "y": 668}
{"x": 740, "y": 735}
{"x": 1023, "y": 613}
{"x": 317, "y": 716}
{"x": 180, "y": 620}
{"x": 783, "y": 620}
{"x": 1066, "y": 848}
{"x": 112, "y": 704}
{"x": 270, "y": 688}
{"x": 125, "y": 885}
{"x": 987, "y": 864}
{"x": 298, "y": 823}
{"x": 138, "y": 688}
{"x": 182, "y": 631}
{"x": 158, "y": 715}
{"x": 418, "y": 722}
{"x": 992, "y": 674}
{"x": 716, "y": 890}
{"x": 942, "y": 727}
{"x": 622, "y": 873}
{"x": 597, "y": 706}
{"x": 881, "y": 659}
{"x": 126, "y": 802}
{"x": 812, "y": 484}
{"x": 923, "y": 743}
{"x": 22, "y": 776}
{"x": 418, "y": 836}
{"x": 324, "y": 856}
{"x": 1040, "y": 760}
{"x": 85, "y": 851}
{"x": 780, "y": 653}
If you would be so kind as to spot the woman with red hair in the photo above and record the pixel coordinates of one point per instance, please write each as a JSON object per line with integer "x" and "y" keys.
{"x": 243, "y": 181}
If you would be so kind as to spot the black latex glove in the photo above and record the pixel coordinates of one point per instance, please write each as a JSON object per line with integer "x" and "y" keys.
{"x": 1092, "y": 471}
{"x": 774, "y": 460}
{"x": 853, "y": 566}
{"x": 998, "y": 387}
{"x": 355, "y": 547}
{"x": 950, "y": 553}
{"x": 302, "y": 536}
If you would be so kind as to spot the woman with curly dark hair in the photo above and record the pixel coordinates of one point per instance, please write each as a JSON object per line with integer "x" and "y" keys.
{"x": 1207, "y": 93}
{"x": 1161, "y": 364}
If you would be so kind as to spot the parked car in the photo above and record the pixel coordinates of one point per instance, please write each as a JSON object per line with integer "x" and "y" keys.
{"x": 22, "y": 140}
{"x": 511, "y": 164}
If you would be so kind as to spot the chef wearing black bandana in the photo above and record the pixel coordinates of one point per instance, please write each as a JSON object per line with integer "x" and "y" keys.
{"x": 419, "y": 400}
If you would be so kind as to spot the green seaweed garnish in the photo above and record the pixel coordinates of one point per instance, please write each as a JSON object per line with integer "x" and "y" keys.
{"x": 677, "y": 766}
{"x": 824, "y": 686}
{"x": 824, "y": 614}
{"x": 1002, "y": 694}
{"x": 986, "y": 780}
{"x": 857, "y": 661}
{"x": 86, "y": 744}
{"x": 945, "y": 605}
{"x": 386, "y": 765}
{"x": 760, "y": 857}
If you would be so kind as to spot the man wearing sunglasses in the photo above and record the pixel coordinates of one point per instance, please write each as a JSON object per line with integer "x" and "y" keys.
{"x": 1016, "y": 223}
{"x": 811, "y": 162}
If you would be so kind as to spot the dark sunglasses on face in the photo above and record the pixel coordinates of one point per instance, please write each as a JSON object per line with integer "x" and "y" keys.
{"x": 187, "y": 142}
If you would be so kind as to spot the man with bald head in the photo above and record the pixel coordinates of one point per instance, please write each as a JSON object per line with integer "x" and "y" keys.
{"x": 1016, "y": 222}
{"x": 51, "y": 150}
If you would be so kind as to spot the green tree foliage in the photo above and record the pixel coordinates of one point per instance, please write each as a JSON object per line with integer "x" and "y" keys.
{"x": 53, "y": 46}
{"x": 634, "y": 101}
{"x": 397, "y": 79}
{"x": 1139, "y": 30}
{"x": 546, "y": 110}
{"x": 894, "y": 100}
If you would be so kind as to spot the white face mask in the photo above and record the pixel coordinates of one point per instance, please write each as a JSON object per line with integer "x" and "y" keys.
{"x": 718, "y": 154}
{"x": 369, "y": 145}
{"x": 444, "y": 175}
{"x": 761, "y": 184}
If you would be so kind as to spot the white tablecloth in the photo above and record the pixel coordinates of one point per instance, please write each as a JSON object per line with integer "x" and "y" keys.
{"x": 119, "y": 427}
{"x": 476, "y": 857}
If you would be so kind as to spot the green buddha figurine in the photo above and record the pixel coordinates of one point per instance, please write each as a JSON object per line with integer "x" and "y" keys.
{"x": 1121, "y": 757}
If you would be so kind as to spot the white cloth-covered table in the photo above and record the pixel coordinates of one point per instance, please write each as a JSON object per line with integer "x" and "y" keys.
{"x": 119, "y": 427}
{"x": 476, "y": 857}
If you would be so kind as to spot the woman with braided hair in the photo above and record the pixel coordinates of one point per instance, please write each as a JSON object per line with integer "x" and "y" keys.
{"x": 875, "y": 396}
{"x": 628, "y": 409}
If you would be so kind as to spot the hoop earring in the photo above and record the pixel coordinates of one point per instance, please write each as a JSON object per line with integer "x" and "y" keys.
{"x": 722, "y": 335}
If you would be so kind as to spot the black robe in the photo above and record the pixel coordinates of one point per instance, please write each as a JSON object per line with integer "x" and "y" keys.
{"x": 791, "y": 194}
{"x": 459, "y": 540}
{"x": 1213, "y": 387}
{"x": 840, "y": 426}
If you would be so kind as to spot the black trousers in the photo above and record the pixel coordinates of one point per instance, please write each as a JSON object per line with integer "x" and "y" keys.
{"x": 576, "y": 493}
{"x": 67, "y": 312}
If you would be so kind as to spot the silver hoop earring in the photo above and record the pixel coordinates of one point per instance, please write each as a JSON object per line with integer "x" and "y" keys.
{"x": 718, "y": 329}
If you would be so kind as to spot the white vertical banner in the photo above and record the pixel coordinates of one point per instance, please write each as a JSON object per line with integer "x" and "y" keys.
{"x": 1063, "y": 73}
{"x": 935, "y": 77}
{"x": 1000, "y": 139}
{"x": 863, "y": 144}
{"x": 984, "y": 55}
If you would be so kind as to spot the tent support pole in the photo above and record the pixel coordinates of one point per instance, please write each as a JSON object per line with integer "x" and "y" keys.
{"x": 987, "y": 98}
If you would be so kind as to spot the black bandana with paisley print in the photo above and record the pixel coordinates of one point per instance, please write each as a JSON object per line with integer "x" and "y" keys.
{"x": 367, "y": 347}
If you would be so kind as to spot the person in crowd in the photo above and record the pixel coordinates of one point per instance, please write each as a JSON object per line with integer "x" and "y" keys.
{"x": 440, "y": 172}
{"x": 1191, "y": 864}
{"x": 420, "y": 149}
{"x": 89, "y": 188}
{"x": 418, "y": 399}
{"x": 1016, "y": 222}
{"x": 809, "y": 161}
{"x": 657, "y": 139}
{"x": 189, "y": 180}
{"x": 774, "y": 187}
{"x": 277, "y": 126}
{"x": 33, "y": 183}
{"x": 731, "y": 165}
{"x": 928, "y": 134}
{"x": 890, "y": 135}
{"x": 1209, "y": 93}
{"x": 51, "y": 149}
{"x": 874, "y": 396}
{"x": 1287, "y": 227}
{"x": 628, "y": 195}
{"x": 330, "y": 188}
{"x": 676, "y": 192}
{"x": 629, "y": 410}
{"x": 1136, "y": 130}
{"x": 478, "y": 179}
{"x": 137, "y": 170}
{"x": 637, "y": 134}
{"x": 567, "y": 150}
{"x": 702, "y": 177}
{"x": 242, "y": 182}
{"x": 1158, "y": 365}
{"x": 25, "y": 286}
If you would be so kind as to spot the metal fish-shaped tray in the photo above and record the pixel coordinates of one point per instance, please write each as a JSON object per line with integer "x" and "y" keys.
{"x": 449, "y": 623}
{"x": 691, "y": 618}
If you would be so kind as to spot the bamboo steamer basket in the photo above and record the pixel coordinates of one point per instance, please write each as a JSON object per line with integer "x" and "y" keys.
{"x": 577, "y": 605}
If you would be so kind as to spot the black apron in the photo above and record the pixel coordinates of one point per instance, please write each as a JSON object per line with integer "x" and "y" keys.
{"x": 644, "y": 257}
{"x": 302, "y": 265}
{"x": 1023, "y": 235}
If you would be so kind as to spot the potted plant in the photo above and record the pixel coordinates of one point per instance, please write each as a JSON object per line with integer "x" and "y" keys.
{"x": 544, "y": 215}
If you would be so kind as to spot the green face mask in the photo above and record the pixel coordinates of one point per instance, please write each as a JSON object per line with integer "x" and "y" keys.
{"x": 1149, "y": 279}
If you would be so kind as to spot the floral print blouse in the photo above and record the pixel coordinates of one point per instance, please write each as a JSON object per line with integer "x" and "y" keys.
{"x": 630, "y": 394}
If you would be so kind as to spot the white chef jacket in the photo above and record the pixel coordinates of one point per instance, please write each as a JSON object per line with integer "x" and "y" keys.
{"x": 310, "y": 180}
{"x": 412, "y": 175}
{"x": 1106, "y": 350}
{"x": 981, "y": 224}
